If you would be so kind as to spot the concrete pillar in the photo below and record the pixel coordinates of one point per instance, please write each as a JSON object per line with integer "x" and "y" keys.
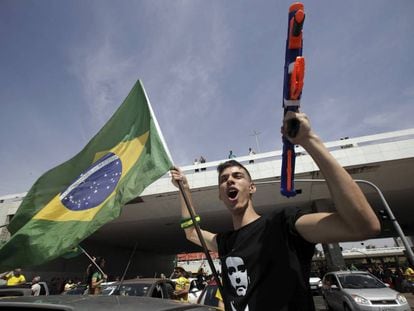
{"x": 333, "y": 254}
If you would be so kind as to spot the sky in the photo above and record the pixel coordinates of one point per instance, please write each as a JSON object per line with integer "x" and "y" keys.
{"x": 213, "y": 71}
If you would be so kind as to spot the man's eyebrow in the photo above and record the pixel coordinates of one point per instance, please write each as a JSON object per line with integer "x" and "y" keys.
{"x": 223, "y": 175}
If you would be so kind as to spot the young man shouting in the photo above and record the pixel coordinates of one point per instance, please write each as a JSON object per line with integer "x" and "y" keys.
{"x": 266, "y": 259}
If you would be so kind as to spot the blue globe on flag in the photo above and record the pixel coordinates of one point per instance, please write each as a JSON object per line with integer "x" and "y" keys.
{"x": 94, "y": 185}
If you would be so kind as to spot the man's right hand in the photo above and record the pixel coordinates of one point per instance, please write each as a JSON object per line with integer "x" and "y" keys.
{"x": 178, "y": 175}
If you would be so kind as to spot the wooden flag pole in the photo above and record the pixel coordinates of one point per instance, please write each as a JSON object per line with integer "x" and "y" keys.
{"x": 200, "y": 237}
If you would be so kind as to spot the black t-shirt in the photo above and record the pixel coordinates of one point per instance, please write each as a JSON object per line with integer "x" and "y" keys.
{"x": 266, "y": 265}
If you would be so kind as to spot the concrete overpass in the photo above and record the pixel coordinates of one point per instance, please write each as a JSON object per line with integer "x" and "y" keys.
{"x": 151, "y": 221}
{"x": 386, "y": 160}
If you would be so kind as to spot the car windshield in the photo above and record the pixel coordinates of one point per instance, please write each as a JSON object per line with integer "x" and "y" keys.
{"x": 359, "y": 281}
{"x": 127, "y": 289}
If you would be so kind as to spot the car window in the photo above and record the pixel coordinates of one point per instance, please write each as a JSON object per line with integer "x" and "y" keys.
{"x": 209, "y": 296}
{"x": 108, "y": 290}
{"x": 168, "y": 290}
{"x": 360, "y": 281}
{"x": 134, "y": 289}
{"x": 42, "y": 290}
{"x": 330, "y": 280}
{"x": 157, "y": 292}
{"x": 126, "y": 290}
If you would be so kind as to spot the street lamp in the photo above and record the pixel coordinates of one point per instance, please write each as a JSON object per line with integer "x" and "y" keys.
{"x": 255, "y": 134}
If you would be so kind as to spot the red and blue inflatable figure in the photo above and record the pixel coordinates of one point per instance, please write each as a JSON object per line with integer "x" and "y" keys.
{"x": 294, "y": 72}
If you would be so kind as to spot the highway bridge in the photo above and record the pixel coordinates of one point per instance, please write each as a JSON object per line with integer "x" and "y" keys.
{"x": 387, "y": 160}
{"x": 151, "y": 221}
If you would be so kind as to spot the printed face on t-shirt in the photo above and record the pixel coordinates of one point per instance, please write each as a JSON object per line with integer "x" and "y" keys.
{"x": 237, "y": 273}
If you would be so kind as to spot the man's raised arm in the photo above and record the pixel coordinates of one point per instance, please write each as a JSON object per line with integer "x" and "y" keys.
{"x": 353, "y": 218}
{"x": 186, "y": 224}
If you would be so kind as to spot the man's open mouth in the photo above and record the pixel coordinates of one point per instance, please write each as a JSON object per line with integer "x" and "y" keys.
{"x": 232, "y": 193}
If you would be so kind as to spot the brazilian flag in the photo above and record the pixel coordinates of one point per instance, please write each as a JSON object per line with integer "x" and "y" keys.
{"x": 73, "y": 200}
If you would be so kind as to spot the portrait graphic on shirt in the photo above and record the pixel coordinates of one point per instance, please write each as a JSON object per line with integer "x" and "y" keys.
{"x": 239, "y": 279}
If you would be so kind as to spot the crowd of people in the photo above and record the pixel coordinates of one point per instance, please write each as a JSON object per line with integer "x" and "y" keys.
{"x": 94, "y": 277}
{"x": 16, "y": 277}
{"x": 231, "y": 155}
{"x": 399, "y": 278}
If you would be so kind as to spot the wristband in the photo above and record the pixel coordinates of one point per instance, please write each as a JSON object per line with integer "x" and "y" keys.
{"x": 188, "y": 222}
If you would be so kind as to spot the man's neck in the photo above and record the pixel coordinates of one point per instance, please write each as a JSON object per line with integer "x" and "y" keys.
{"x": 243, "y": 219}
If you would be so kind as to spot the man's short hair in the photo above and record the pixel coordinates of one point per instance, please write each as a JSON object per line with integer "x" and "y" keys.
{"x": 231, "y": 163}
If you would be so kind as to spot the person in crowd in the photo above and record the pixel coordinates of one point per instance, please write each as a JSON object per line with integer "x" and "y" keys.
{"x": 182, "y": 284}
{"x": 251, "y": 153}
{"x": 353, "y": 268}
{"x": 231, "y": 155}
{"x": 69, "y": 285}
{"x": 282, "y": 241}
{"x": 202, "y": 161}
{"x": 14, "y": 277}
{"x": 36, "y": 286}
{"x": 201, "y": 279}
{"x": 409, "y": 278}
{"x": 96, "y": 277}
{"x": 196, "y": 163}
{"x": 409, "y": 274}
{"x": 387, "y": 277}
{"x": 397, "y": 278}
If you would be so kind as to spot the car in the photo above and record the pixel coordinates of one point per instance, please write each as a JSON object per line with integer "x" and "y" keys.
{"x": 22, "y": 290}
{"x": 96, "y": 302}
{"x": 315, "y": 283}
{"x": 148, "y": 287}
{"x": 360, "y": 290}
{"x": 193, "y": 294}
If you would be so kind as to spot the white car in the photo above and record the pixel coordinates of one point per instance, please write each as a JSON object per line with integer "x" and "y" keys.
{"x": 360, "y": 290}
{"x": 315, "y": 283}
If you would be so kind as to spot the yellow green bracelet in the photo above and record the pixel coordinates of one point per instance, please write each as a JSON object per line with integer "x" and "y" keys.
{"x": 188, "y": 222}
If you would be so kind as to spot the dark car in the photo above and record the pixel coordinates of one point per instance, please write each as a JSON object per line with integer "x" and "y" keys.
{"x": 147, "y": 287}
{"x": 103, "y": 303}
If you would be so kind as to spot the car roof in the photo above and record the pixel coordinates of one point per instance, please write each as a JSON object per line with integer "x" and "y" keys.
{"x": 347, "y": 272}
{"x": 69, "y": 303}
{"x": 141, "y": 281}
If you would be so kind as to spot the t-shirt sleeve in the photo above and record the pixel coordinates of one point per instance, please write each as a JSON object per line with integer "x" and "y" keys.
{"x": 95, "y": 276}
{"x": 303, "y": 248}
{"x": 291, "y": 216}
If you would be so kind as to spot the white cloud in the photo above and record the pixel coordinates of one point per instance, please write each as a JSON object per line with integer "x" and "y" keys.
{"x": 103, "y": 74}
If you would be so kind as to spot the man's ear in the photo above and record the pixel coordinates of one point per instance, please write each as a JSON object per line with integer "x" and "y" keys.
{"x": 252, "y": 188}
